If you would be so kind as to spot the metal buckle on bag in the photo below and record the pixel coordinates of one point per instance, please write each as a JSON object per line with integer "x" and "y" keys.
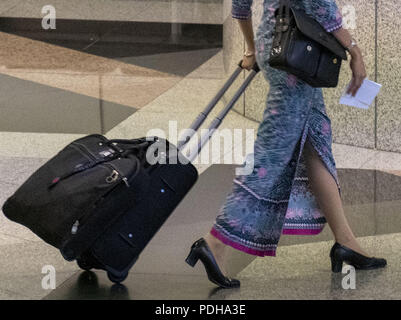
{"x": 276, "y": 51}
{"x": 113, "y": 177}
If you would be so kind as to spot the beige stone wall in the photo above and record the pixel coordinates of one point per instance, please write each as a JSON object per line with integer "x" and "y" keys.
{"x": 180, "y": 11}
{"x": 389, "y": 74}
{"x": 378, "y": 31}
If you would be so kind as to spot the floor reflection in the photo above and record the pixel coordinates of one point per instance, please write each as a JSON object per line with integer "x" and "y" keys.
{"x": 127, "y": 41}
{"x": 87, "y": 286}
{"x": 95, "y": 73}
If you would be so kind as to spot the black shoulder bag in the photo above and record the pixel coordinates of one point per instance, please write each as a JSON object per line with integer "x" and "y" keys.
{"x": 302, "y": 47}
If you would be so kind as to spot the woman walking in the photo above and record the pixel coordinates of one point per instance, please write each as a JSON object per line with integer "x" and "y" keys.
{"x": 294, "y": 188}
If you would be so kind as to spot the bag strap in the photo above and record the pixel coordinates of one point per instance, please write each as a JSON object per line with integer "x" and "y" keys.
{"x": 284, "y": 10}
{"x": 283, "y": 21}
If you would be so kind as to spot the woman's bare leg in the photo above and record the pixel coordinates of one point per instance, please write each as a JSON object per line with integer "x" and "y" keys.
{"x": 219, "y": 250}
{"x": 326, "y": 193}
{"x": 328, "y": 198}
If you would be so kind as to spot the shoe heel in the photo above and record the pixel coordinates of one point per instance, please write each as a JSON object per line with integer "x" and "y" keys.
{"x": 192, "y": 258}
{"x": 336, "y": 266}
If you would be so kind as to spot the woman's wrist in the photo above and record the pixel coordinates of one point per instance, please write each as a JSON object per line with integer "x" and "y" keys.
{"x": 355, "y": 52}
{"x": 250, "y": 47}
{"x": 249, "y": 53}
{"x": 353, "y": 49}
{"x": 348, "y": 42}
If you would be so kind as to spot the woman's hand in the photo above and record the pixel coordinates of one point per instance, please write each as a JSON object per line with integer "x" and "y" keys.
{"x": 357, "y": 65}
{"x": 358, "y": 72}
{"x": 248, "y": 62}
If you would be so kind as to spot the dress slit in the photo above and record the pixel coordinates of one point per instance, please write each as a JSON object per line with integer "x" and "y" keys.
{"x": 317, "y": 150}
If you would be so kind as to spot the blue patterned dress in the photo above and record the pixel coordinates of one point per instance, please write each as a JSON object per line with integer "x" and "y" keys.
{"x": 276, "y": 198}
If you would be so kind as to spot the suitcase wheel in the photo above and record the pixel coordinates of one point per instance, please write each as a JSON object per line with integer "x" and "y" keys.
{"x": 117, "y": 279}
{"x": 84, "y": 265}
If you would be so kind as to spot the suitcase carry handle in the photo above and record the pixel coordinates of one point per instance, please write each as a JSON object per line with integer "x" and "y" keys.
{"x": 219, "y": 119}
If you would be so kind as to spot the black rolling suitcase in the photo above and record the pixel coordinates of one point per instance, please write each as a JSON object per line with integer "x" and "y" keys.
{"x": 101, "y": 201}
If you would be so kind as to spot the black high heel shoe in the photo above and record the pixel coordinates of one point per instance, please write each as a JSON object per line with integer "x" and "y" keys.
{"x": 201, "y": 251}
{"x": 340, "y": 254}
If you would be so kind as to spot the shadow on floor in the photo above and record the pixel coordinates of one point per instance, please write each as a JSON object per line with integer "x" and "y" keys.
{"x": 129, "y": 41}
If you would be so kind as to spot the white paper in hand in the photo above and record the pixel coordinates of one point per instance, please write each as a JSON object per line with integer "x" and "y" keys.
{"x": 364, "y": 97}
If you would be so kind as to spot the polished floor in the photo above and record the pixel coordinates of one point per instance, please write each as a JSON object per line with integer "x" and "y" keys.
{"x": 116, "y": 80}
{"x": 94, "y": 73}
{"x": 300, "y": 271}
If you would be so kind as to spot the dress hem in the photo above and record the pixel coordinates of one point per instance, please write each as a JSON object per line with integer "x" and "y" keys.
{"x": 240, "y": 247}
{"x": 302, "y": 232}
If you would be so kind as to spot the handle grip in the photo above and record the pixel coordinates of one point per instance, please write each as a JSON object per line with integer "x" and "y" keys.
{"x": 254, "y": 68}
{"x": 182, "y": 142}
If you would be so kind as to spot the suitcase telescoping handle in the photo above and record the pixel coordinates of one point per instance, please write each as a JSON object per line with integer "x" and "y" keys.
{"x": 219, "y": 119}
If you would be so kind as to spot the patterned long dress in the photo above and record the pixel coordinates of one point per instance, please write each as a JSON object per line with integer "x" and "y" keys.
{"x": 276, "y": 197}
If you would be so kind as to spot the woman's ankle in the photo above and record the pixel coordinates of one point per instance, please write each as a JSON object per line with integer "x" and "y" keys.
{"x": 218, "y": 249}
{"x": 214, "y": 242}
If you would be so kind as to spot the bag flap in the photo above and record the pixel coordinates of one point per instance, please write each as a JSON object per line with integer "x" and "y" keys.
{"x": 314, "y": 30}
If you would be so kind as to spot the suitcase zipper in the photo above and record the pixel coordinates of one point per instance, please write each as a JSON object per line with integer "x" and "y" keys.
{"x": 115, "y": 174}
{"x": 93, "y": 162}
{"x": 113, "y": 177}
{"x": 67, "y": 175}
